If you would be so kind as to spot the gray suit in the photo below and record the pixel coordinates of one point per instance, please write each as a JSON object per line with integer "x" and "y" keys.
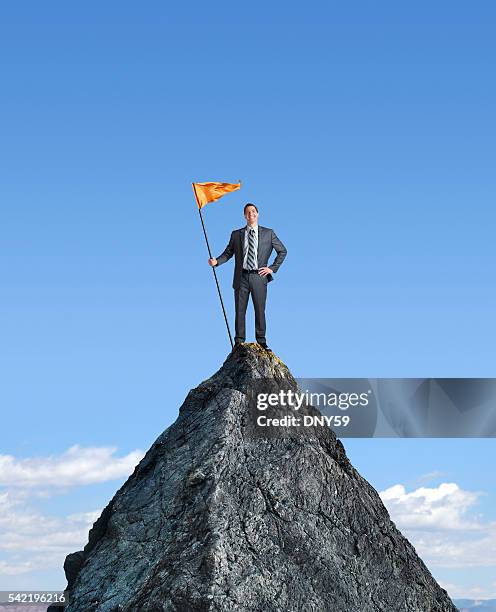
{"x": 245, "y": 283}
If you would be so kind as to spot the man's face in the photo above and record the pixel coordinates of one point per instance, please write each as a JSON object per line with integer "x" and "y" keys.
{"x": 251, "y": 215}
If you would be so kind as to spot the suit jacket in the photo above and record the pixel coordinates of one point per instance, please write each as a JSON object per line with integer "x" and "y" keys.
{"x": 267, "y": 241}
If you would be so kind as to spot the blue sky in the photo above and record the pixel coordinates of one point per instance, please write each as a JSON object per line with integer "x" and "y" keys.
{"x": 365, "y": 134}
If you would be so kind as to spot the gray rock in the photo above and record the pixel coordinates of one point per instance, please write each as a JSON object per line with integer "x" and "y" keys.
{"x": 214, "y": 519}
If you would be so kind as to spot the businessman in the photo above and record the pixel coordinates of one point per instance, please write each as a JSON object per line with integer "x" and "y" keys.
{"x": 251, "y": 246}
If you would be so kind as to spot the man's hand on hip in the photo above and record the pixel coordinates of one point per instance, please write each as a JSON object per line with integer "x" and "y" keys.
{"x": 212, "y": 262}
{"x": 265, "y": 271}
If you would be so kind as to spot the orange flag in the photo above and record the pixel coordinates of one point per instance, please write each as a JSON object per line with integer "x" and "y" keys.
{"x": 209, "y": 192}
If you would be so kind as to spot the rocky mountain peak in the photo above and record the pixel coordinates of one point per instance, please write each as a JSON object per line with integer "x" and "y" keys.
{"x": 215, "y": 519}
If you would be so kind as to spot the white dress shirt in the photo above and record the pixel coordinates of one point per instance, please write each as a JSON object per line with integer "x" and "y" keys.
{"x": 245, "y": 247}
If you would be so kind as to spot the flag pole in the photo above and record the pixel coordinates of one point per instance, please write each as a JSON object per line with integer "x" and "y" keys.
{"x": 215, "y": 274}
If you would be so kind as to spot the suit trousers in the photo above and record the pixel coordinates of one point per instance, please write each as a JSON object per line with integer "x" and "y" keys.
{"x": 255, "y": 285}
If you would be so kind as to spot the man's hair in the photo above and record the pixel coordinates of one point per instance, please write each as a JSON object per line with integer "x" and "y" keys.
{"x": 249, "y": 204}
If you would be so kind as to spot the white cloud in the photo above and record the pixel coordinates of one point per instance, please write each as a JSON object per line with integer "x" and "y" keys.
{"x": 14, "y": 569}
{"x": 77, "y": 466}
{"x": 438, "y": 523}
{"x": 429, "y": 476}
{"x": 442, "y": 507}
{"x": 475, "y": 592}
{"x": 25, "y": 530}
{"x": 456, "y": 550}
{"x": 31, "y": 540}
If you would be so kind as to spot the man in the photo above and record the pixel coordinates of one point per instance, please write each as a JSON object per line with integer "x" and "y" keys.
{"x": 251, "y": 245}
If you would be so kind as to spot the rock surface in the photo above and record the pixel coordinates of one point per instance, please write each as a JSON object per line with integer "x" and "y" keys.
{"x": 215, "y": 520}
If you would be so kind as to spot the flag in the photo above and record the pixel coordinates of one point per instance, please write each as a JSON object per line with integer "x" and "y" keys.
{"x": 209, "y": 192}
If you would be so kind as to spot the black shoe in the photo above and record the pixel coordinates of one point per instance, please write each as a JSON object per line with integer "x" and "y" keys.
{"x": 264, "y": 346}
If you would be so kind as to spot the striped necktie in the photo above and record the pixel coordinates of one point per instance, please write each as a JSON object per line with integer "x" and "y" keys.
{"x": 250, "y": 261}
